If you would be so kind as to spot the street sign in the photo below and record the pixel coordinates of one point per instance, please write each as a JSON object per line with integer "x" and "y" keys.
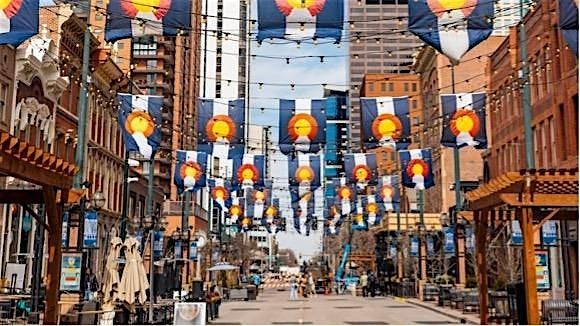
{"x": 542, "y": 270}
{"x": 91, "y": 227}
{"x": 70, "y": 271}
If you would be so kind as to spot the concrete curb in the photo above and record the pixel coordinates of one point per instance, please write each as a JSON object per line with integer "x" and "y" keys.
{"x": 438, "y": 310}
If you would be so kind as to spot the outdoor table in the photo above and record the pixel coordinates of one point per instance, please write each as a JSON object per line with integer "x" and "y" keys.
{"x": 13, "y": 299}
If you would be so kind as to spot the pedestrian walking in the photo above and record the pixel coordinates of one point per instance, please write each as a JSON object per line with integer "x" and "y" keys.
{"x": 364, "y": 282}
{"x": 293, "y": 288}
{"x": 311, "y": 285}
{"x": 372, "y": 284}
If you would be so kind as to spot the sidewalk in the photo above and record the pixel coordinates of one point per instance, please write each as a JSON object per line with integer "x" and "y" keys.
{"x": 449, "y": 312}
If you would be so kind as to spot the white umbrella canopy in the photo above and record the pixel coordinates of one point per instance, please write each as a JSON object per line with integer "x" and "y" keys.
{"x": 223, "y": 267}
{"x": 111, "y": 277}
{"x": 134, "y": 280}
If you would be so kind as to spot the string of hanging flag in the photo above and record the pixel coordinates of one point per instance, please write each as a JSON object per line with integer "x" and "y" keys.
{"x": 239, "y": 181}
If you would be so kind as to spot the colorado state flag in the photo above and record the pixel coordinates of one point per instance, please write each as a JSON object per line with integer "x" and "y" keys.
{"x": 139, "y": 119}
{"x": 302, "y": 125}
{"x": 18, "y": 21}
{"x": 190, "y": 170}
{"x": 388, "y": 192}
{"x": 136, "y": 18}
{"x": 270, "y": 219}
{"x": 333, "y": 218}
{"x": 300, "y": 19}
{"x": 221, "y": 192}
{"x": 236, "y": 210}
{"x": 569, "y": 23}
{"x": 359, "y": 222}
{"x": 248, "y": 171}
{"x": 416, "y": 168}
{"x": 361, "y": 168}
{"x": 345, "y": 196}
{"x": 385, "y": 122}
{"x": 303, "y": 208}
{"x": 372, "y": 210}
{"x": 464, "y": 120}
{"x": 304, "y": 171}
{"x": 220, "y": 126}
{"x": 453, "y": 27}
{"x": 256, "y": 203}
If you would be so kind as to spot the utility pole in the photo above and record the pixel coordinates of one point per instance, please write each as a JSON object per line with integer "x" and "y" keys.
{"x": 83, "y": 105}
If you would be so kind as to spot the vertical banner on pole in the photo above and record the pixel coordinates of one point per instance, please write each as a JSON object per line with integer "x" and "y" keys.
{"x": 193, "y": 251}
{"x": 449, "y": 240}
{"x": 550, "y": 233}
{"x": 91, "y": 226}
{"x": 158, "y": 244}
{"x": 177, "y": 250}
{"x": 517, "y": 238}
{"x": 430, "y": 246}
{"x": 65, "y": 230}
{"x": 414, "y": 246}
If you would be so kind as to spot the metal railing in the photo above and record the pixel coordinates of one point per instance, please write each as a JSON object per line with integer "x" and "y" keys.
{"x": 175, "y": 208}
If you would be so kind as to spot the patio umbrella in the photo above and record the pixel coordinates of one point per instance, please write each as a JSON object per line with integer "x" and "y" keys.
{"x": 134, "y": 279}
{"x": 111, "y": 277}
{"x": 223, "y": 267}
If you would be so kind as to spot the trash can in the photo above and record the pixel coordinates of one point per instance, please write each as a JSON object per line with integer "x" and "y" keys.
{"x": 251, "y": 292}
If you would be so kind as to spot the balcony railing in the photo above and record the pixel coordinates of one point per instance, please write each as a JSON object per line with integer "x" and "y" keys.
{"x": 175, "y": 208}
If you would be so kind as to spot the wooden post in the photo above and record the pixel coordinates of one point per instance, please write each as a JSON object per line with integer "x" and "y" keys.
{"x": 481, "y": 261}
{"x": 461, "y": 260}
{"x": 54, "y": 253}
{"x": 529, "y": 265}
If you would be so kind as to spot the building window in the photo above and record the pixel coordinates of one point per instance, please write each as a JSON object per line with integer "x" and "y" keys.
{"x": 371, "y": 87}
{"x": 414, "y": 87}
{"x": 383, "y": 87}
{"x": 391, "y": 87}
{"x": 151, "y": 64}
{"x": 553, "y": 146}
{"x": 3, "y": 100}
{"x": 414, "y": 104}
{"x": 406, "y": 87}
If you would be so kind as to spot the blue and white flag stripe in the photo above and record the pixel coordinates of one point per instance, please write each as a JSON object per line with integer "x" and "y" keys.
{"x": 372, "y": 108}
{"x": 18, "y": 21}
{"x": 452, "y": 32}
{"x": 300, "y": 23}
{"x": 128, "y": 19}
{"x": 289, "y": 142}
{"x": 183, "y": 179}
{"x": 472, "y": 102}
{"x": 569, "y": 23}
{"x": 392, "y": 202}
{"x": 419, "y": 177}
{"x": 145, "y": 135}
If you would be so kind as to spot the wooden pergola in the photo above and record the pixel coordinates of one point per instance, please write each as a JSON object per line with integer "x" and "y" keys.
{"x": 536, "y": 196}
{"x": 53, "y": 174}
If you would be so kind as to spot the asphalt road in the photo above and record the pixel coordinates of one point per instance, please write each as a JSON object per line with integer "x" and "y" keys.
{"x": 274, "y": 308}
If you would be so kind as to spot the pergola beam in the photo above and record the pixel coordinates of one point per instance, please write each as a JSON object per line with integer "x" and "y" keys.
{"x": 545, "y": 219}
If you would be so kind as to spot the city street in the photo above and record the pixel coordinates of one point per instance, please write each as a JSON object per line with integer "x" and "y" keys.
{"x": 273, "y": 307}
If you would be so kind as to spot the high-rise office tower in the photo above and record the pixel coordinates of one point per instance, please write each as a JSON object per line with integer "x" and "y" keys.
{"x": 223, "y": 67}
{"x": 379, "y": 43}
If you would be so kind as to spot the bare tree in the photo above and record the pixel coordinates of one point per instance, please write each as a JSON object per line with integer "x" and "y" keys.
{"x": 287, "y": 257}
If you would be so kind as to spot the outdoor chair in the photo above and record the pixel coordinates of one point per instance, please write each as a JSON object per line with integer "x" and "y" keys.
{"x": 560, "y": 312}
{"x": 471, "y": 302}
